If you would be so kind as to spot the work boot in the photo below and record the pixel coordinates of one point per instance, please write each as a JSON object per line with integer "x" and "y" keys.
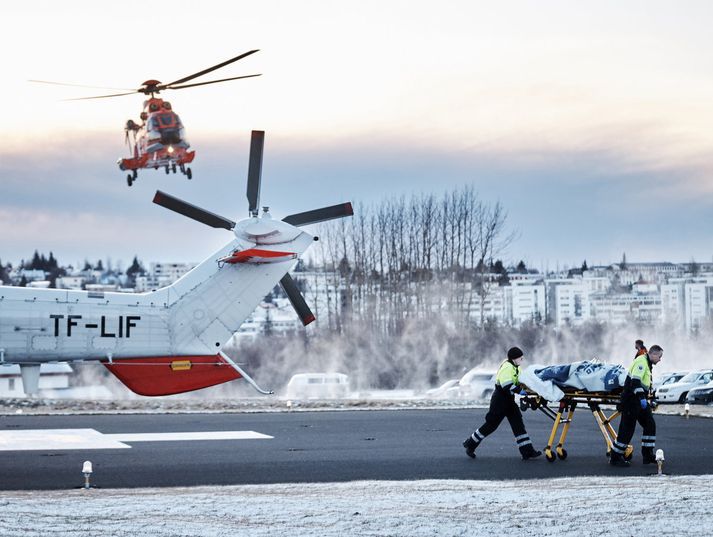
{"x": 529, "y": 452}
{"x": 617, "y": 459}
{"x": 647, "y": 454}
{"x": 470, "y": 446}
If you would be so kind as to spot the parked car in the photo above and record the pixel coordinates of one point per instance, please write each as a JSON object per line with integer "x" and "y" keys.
{"x": 677, "y": 391}
{"x": 447, "y": 390}
{"x": 477, "y": 384}
{"x": 318, "y": 386}
{"x": 669, "y": 378}
{"x": 702, "y": 395}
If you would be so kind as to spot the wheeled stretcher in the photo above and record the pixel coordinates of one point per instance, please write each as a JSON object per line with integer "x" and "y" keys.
{"x": 565, "y": 413}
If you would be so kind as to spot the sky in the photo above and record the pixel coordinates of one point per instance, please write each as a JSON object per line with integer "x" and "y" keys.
{"x": 589, "y": 121}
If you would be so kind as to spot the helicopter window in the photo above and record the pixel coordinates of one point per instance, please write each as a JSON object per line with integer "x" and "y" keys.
{"x": 167, "y": 120}
{"x": 167, "y": 105}
{"x": 153, "y": 107}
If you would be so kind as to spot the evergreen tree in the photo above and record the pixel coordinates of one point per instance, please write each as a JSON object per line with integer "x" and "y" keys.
{"x": 135, "y": 268}
{"x": 36, "y": 261}
{"x": 521, "y": 268}
{"x": 584, "y": 266}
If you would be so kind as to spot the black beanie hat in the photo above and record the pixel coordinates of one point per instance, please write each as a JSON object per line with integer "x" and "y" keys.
{"x": 514, "y": 353}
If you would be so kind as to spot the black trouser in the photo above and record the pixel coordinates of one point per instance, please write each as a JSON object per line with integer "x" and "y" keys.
{"x": 631, "y": 412}
{"x": 502, "y": 405}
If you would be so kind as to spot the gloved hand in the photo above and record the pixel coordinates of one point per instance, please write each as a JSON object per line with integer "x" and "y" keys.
{"x": 644, "y": 403}
{"x": 522, "y": 392}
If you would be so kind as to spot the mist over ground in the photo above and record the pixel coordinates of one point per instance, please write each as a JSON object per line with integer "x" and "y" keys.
{"x": 429, "y": 352}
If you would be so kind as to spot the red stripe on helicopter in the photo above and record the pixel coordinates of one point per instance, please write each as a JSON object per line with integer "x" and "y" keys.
{"x": 168, "y": 375}
{"x": 256, "y": 255}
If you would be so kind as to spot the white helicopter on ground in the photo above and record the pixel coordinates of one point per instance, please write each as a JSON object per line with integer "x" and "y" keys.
{"x": 170, "y": 340}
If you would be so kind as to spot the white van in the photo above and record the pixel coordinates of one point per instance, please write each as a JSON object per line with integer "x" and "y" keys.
{"x": 318, "y": 386}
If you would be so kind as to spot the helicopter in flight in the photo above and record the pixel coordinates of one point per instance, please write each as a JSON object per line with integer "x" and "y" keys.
{"x": 158, "y": 139}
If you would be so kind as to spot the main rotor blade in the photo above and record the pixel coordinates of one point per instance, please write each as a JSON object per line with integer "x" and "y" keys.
{"x": 296, "y": 299}
{"x": 320, "y": 215}
{"x": 77, "y": 85}
{"x": 191, "y": 211}
{"x": 257, "y": 142}
{"x": 102, "y": 96}
{"x": 206, "y": 71}
{"x": 210, "y": 82}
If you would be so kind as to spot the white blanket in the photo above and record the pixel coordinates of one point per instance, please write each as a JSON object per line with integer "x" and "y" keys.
{"x": 591, "y": 376}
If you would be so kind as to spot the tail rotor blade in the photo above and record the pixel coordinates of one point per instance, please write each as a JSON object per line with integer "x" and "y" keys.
{"x": 320, "y": 215}
{"x": 257, "y": 142}
{"x": 191, "y": 211}
{"x": 296, "y": 299}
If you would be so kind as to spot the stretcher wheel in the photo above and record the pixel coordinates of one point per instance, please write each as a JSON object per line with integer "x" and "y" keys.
{"x": 551, "y": 457}
{"x": 562, "y": 453}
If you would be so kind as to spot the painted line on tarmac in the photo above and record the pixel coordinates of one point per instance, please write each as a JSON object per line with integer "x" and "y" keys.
{"x": 59, "y": 439}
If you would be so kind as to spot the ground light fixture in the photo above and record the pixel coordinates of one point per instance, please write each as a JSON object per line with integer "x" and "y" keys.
{"x": 659, "y": 461}
{"x": 87, "y": 471}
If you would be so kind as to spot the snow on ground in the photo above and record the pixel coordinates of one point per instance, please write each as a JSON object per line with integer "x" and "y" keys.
{"x": 611, "y": 506}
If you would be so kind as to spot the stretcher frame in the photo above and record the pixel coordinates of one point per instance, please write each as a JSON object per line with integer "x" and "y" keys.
{"x": 565, "y": 414}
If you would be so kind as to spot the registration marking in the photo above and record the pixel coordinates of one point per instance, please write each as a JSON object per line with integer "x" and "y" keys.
{"x": 67, "y": 439}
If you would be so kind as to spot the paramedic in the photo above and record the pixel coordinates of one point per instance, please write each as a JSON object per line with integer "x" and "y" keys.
{"x": 640, "y": 347}
{"x": 635, "y": 407}
{"x": 502, "y": 405}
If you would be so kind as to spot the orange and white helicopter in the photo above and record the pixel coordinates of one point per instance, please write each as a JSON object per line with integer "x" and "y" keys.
{"x": 158, "y": 140}
{"x": 170, "y": 340}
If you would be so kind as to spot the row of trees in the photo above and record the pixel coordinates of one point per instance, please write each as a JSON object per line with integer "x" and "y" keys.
{"x": 411, "y": 258}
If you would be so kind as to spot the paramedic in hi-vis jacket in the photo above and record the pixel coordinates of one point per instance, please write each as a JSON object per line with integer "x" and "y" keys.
{"x": 502, "y": 405}
{"x": 635, "y": 407}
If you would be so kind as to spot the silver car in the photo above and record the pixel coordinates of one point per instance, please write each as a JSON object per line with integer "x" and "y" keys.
{"x": 677, "y": 392}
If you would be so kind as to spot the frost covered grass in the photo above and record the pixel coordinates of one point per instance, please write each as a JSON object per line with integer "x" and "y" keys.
{"x": 172, "y": 405}
{"x": 616, "y": 506}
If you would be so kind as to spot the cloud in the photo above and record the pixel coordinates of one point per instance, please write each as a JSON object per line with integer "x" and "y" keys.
{"x": 591, "y": 199}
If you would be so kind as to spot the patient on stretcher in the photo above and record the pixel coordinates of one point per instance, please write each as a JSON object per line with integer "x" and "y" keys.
{"x": 590, "y": 376}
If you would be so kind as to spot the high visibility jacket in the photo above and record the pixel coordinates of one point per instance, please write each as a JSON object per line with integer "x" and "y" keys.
{"x": 507, "y": 376}
{"x": 639, "y": 377}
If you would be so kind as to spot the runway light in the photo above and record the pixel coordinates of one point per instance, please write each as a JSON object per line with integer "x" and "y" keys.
{"x": 87, "y": 471}
{"x": 686, "y": 410}
{"x": 659, "y": 460}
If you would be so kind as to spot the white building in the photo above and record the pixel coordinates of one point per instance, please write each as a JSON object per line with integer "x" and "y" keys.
{"x": 528, "y": 301}
{"x": 70, "y": 282}
{"x": 162, "y": 274}
{"x": 567, "y": 301}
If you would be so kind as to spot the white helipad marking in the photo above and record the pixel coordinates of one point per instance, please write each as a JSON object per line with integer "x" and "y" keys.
{"x": 53, "y": 439}
{"x": 170, "y": 437}
{"x": 56, "y": 439}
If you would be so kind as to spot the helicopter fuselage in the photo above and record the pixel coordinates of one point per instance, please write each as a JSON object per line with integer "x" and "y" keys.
{"x": 159, "y": 141}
